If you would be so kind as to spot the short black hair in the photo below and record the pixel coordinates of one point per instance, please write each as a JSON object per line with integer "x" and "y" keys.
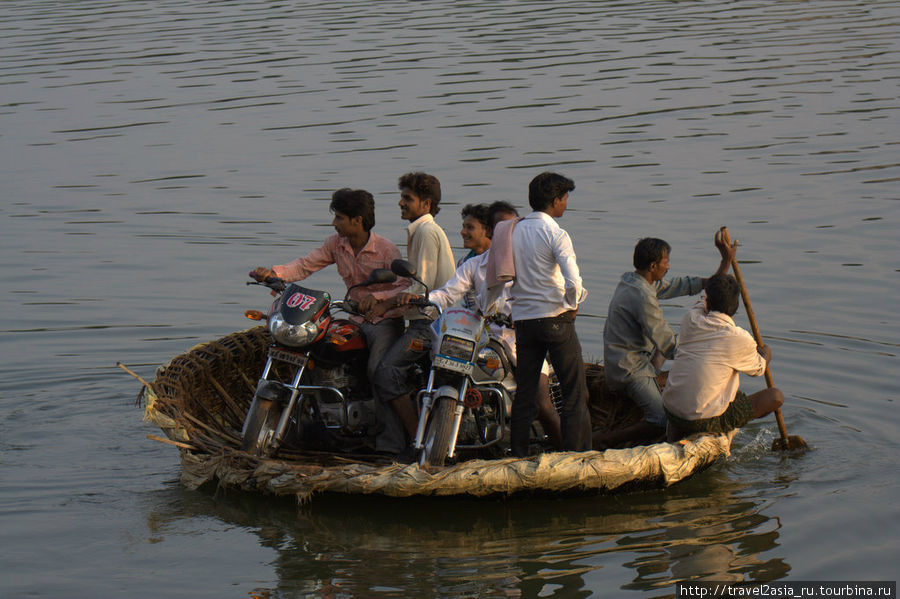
{"x": 649, "y": 250}
{"x": 546, "y": 187}
{"x": 499, "y": 207}
{"x": 425, "y": 186}
{"x": 353, "y": 203}
{"x": 722, "y": 294}
{"x": 479, "y": 212}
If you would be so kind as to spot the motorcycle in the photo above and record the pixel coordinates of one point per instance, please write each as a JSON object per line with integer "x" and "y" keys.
{"x": 466, "y": 402}
{"x": 313, "y": 390}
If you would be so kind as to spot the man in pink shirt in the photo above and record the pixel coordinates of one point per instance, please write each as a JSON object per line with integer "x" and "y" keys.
{"x": 356, "y": 251}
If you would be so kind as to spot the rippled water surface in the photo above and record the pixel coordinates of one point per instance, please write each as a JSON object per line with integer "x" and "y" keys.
{"x": 152, "y": 152}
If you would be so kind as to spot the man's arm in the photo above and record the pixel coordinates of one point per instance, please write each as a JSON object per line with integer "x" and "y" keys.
{"x": 564, "y": 253}
{"x": 301, "y": 268}
{"x": 746, "y": 356}
{"x": 727, "y": 252}
{"x": 461, "y": 281}
{"x": 655, "y": 328}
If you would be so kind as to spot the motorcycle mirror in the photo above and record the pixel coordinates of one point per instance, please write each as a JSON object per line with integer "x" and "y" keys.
{"x": 403, "y": 268}
{"x": 380, "y": 275}
{"x": 406, "y": 269}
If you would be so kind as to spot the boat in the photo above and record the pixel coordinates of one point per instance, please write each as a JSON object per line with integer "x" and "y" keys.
{"x": 199, "y": 400}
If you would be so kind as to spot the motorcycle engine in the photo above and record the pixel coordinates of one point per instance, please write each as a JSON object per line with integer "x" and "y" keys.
{"x": 340, "y": 377}
{"x": 360, "y": 414}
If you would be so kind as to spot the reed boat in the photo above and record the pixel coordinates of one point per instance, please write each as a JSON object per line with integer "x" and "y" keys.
{"x": 200, "y": 398}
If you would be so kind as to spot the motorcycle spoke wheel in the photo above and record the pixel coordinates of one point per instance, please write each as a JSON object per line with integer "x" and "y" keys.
{"x": 259, "y": 434}
{"x": 437, "y": 435}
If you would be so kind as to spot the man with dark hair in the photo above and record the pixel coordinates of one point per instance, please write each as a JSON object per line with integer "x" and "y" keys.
{"x": 476, "y": 231}
{"x": 429, "y": 251}
{"x": 356, "y": 251}
{"x": 423, "y": 186}
{"x": 547, "y": 292}
{"x": 500, "y": 210}
{"x": 637, "y": 339}
{"x": 702, "y": 393}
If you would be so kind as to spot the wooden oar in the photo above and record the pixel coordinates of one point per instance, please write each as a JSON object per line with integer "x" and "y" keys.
{"x": 784, "y": 442}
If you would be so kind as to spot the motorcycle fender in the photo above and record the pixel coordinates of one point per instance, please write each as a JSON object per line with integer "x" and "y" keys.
{"x": 446, "y": 391}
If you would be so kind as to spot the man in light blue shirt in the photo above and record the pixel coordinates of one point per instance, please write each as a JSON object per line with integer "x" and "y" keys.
{"x": 637, "y": 338}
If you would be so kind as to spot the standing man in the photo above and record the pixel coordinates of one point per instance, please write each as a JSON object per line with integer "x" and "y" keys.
{"x": 637, "y": 339}
{"x": 356, "y": 251}
{"x": 546, "y": 294}
{"x": 429, "y": 251}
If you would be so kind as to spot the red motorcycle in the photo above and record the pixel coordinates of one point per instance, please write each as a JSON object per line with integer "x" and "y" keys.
{"x": 313, "y": 392}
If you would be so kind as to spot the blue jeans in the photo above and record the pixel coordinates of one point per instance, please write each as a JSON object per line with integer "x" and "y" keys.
{"x": 535, "y": 339}
{"x": 391, "y": 380}
{"x": 379, "y": 338}
{"x": 644, "y": 391}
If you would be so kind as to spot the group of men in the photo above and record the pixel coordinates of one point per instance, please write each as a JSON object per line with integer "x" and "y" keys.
{"x": 533, "y": 275}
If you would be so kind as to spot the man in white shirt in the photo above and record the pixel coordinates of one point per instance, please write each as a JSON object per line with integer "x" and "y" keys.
{"x": 429, "y": 251}
{"x": 546, "y": 294}
{"x": 702, "y": 393}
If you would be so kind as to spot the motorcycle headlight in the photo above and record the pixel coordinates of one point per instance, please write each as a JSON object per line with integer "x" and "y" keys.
{"x": 454, "y": 347}
{"x": 292, "y": 334}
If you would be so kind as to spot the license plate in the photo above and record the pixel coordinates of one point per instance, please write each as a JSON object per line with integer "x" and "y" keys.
{"x": 454, "y": 365}
{"x": 287, "y": 356}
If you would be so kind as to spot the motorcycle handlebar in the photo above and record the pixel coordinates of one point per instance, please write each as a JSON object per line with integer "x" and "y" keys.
{"x": 501, "y": 319}
{"x": 347, "y": 305}
{"x": 420, "y": 301}
{"x": 274, "y": 283}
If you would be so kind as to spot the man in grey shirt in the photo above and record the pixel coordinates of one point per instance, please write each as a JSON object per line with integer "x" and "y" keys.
{"x": 637, "y": 338}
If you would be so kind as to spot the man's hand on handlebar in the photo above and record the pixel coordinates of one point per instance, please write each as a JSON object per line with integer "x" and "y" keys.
{"x": 366, "y": 303}
{"x": 261, "y": 273}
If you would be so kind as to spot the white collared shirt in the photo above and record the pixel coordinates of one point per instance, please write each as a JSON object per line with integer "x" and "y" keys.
{"x": 711, "y": 353}
{"x": 548, "y": 281}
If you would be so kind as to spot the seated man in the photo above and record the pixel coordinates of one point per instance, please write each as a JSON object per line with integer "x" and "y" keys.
{"x": 429, "y": 252}
{"x": 356, "y": 251}
{"x": 637, "y": 338}
{"x": 702, "y": 393}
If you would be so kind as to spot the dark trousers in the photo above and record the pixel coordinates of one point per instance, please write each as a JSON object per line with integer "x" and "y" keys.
{"x": 535, "y": 339}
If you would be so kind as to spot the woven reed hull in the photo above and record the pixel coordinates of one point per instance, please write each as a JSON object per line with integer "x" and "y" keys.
{"x": 199, "y": 400}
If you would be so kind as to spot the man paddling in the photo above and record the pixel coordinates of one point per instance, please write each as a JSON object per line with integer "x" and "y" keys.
{"x": 637, "y": 339}
{"x": 702, "y": 394}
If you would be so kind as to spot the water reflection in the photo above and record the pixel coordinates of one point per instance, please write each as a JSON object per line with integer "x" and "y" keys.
{"x": 708, "y": 528}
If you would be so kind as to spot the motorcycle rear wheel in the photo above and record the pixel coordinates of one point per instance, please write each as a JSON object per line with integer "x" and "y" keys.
{"x": 437, "y": 435}
{"x": 259, "y": 433}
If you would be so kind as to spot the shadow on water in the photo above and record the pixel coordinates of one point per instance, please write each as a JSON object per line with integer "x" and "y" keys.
{"x": 707, "y": 528}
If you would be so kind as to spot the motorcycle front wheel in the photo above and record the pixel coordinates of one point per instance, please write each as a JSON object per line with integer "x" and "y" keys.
{"x": 259, "y": 430}
{"x": 437, "y": 435}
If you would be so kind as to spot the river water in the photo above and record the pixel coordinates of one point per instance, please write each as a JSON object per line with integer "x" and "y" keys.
{"x": 154, "y": 151}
